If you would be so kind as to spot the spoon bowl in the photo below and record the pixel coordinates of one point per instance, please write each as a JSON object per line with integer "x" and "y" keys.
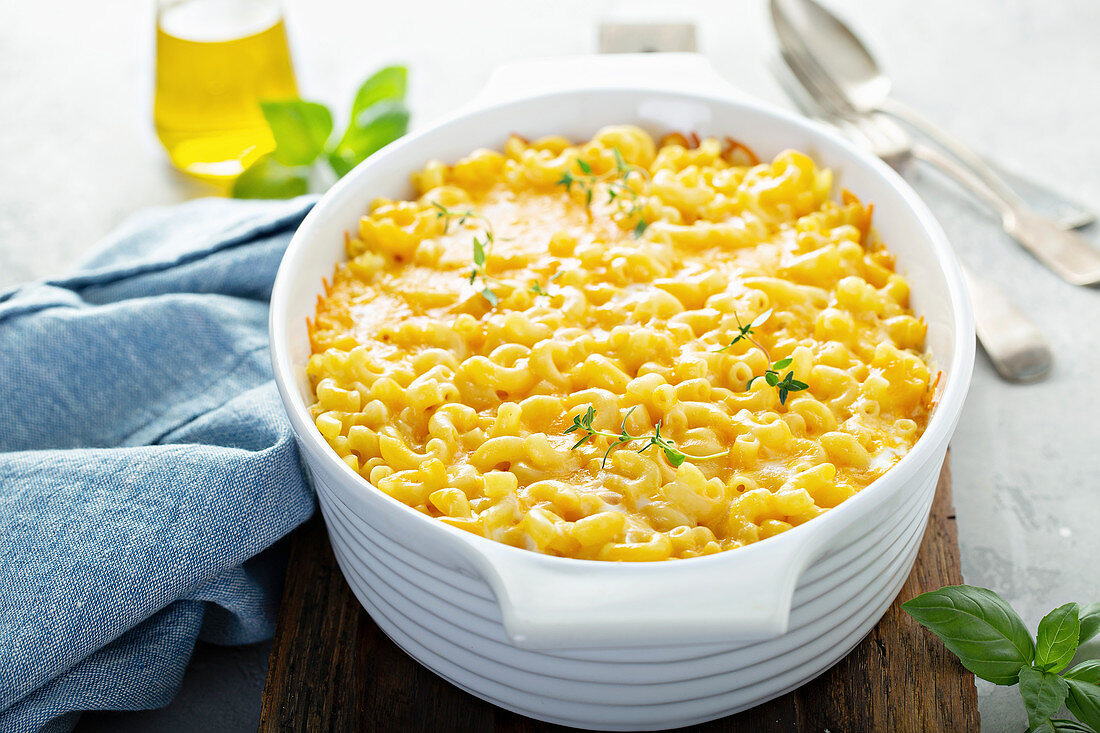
{"x": 807, "y": 29}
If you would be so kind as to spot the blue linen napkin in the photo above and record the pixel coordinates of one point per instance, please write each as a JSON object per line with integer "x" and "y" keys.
{"x": 145, "y": 461}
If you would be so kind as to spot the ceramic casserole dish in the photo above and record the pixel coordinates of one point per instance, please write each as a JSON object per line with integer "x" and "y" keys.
{"x": 627, "y": 646}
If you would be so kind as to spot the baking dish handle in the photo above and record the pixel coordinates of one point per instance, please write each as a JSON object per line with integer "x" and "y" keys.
{"x": 682, "y": 72}
{"x": 736, "y": 596}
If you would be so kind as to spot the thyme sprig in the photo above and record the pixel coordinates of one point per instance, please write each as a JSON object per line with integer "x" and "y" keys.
{"x": 744, "y": 333}
{"x": 772, "y": 376}
{"x": 618, "y": 188}
{"x": 483, "y": 246}
{"x": 674, "y": 455}
{"x": 538, "y": 289}
{"x": 785, "y": 384}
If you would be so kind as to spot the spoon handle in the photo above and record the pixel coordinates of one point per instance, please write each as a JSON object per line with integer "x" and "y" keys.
{"x": 1065, "y": 252}
{"x": 953, "y": 145}
{"x": 1018, "y": 349}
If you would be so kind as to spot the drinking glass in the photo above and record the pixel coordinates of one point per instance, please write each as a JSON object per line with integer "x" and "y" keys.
{"x": 216, "y": 59}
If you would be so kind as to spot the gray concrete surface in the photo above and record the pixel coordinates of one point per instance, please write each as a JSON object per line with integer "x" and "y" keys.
{"x": 1018, "y": 78}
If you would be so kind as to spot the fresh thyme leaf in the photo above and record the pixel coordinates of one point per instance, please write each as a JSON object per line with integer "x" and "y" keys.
{"x": 789, "y": 384}
{"x": 745, "y": 332}
{"x": 675, "y": 456}
{"x": 771, "y": 378}
{"x": 782, "y": 363}
{"x": 479, "y": 253}
{"x": 618, "y": 190}
{"x": 620, "y": 163}
{"x": 759, "y": 320}
{"x": 481, "y": 246}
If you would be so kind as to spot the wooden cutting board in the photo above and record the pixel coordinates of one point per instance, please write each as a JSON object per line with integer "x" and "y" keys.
{"x": 332, "y": 669}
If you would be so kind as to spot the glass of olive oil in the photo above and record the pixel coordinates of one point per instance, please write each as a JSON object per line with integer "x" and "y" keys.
{"x": 216, "y": 59}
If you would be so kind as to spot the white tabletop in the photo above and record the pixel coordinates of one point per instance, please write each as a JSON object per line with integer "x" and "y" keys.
{"x": 1018, "y": 78}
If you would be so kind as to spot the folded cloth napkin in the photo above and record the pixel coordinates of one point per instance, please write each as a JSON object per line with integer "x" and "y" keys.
{"x": 145, "y": 461}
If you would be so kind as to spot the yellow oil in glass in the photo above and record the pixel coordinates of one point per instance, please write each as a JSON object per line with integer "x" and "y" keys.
{"x": 216, "y": 59}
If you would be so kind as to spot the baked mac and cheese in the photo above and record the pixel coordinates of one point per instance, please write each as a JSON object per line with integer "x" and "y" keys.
{"x": 619, "y": 350}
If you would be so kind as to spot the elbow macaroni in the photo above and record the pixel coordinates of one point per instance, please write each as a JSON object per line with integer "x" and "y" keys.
{"x": 457, "y": 407}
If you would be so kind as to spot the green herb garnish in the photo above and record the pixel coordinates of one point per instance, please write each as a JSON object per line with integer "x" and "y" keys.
{"x": 537, "y": 287}
{"x": 745, "y": 332}
{"x": 302, "y": 132}
{"x": 674, "y": 455}
{"x": 991, "y": 640}
{"x": 772, "y": 376}
{"x": 618, "y": 190}
{"x": 483, "y": 246}
{"x": 785, "y": 384}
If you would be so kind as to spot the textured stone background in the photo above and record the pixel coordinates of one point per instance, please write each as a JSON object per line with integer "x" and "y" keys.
{"x": 1017, "y": 78}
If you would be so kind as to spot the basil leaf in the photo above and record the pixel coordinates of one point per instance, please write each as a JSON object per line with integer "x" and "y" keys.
{"x": 1084, "y": 702}
{"x": 979, "y": 627}
{"x": 1057, "y": 638}
{"x": 1090, "y": 621}
{"x": 369, "y": 131}
{"x": 389, "y": 82}
{"x": 269, "y": 179}
{"x": 1061, "y": 725}
{"x": 1087, "y": 671}
{"x": 1043, "y": 694}
{"x": 301, "y": 129}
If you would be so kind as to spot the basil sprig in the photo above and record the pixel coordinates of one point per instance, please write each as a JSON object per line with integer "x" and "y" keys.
{"x": 991, "y": 640}
{"x": 303, "y": 132}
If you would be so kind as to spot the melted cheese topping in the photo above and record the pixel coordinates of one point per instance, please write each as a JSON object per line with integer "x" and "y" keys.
{"x": 616, "y": 274}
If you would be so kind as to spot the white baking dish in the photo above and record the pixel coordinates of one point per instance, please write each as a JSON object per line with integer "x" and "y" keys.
{"x": 645, "y": 645}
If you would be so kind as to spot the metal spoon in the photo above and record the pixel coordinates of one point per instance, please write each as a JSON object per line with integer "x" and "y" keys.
{"x": 813, "y": 36}
{"x": 1016, "y": 346}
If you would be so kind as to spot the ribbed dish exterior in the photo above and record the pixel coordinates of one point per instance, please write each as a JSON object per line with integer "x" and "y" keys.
{"x": 447, "y": 618}
{"x": 442, "y": 594}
